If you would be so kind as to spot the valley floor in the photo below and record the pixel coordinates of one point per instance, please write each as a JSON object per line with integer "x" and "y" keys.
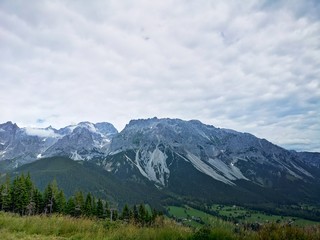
{"x": 63, "y": 227}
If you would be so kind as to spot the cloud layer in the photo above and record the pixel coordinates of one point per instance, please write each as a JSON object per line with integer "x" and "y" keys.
{"x": 250, "y": 66}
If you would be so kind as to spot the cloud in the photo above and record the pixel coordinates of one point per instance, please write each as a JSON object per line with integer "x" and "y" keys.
{"x": 43, "y": 133}
{"x": 248, "y": 66}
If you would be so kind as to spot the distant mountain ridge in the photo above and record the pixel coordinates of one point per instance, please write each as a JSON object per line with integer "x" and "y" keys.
{"x": 181, "y": 158}
{"x": 79, "y": 142}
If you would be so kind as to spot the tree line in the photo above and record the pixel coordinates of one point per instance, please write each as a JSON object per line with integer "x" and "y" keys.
{"x": 23, "y": 197}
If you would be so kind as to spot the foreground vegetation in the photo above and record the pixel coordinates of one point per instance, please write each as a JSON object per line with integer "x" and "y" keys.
{"x": 14, "y": 226}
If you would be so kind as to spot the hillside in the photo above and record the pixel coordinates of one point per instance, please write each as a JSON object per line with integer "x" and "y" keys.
{"x": 74, "y": 176}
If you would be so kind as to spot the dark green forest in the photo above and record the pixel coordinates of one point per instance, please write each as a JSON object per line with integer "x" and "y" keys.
{"x": 21, "y": 196}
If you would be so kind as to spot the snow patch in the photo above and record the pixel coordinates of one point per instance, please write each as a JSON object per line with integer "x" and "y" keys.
{"x": 39, "y": 156}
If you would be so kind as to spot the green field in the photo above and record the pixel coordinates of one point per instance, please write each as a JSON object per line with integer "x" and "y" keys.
{"x": 193, "y": 217}
{"x": 245, "y": 215}
{"x": 224, "y": 214}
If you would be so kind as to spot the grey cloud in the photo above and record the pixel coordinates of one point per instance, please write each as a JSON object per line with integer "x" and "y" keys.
{"x": 252, "y": 67}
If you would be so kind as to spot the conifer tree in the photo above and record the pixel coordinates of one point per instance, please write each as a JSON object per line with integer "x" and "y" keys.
{"x": 48, "y": 199}
{"x": 1, "y": 192}
{"x": 19, "y": 196}
{"x": 135, "y": 213}
{"x": 114, "y": 214}
{"x": 79, "y": 203}
{"x": 94, "y": 205}
{"x": 99, "y": 211}
{"x": 88, "y": 205}
{"x": 125, "y": 213}
{"x": 29, "y": 187}
{"x": 38, "y": 201}
{"x": 60, "y": 202}
{"x": 107, "y": 210}
{"x": 6, "y": 195}
{"x": 142, "y": 213}
{"x": 71, "y": 207}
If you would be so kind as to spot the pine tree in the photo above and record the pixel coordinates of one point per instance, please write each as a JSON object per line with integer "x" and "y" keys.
{"x": 1, "y": 192}
{"x": 88, "y": 205}
{"x": 19, "y": 196}
{"x": 125, "y": 213}
{"x": 29, "y": 187}
{"x": 14, "y": 192}
{"x": 71, "y": 207}
{"x": 31, "y": 205}
{"x": 48, "y": 199}
{"x": 99, "y": 211}
{"x": 94, "y": 206}
{"x": 79, "y": 203}
{"x": 114, "y": 214}
{"x": 60, "y": 202}
{"x": 38, "y": 201}
{"x": 135, "y": 213}
{"x": 142, "y": 214}
{"x": 6, "y": 195}
{"x": 107, "y": 210}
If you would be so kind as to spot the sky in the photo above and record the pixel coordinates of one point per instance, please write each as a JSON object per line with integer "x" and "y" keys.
{"x": 251, "y": 66}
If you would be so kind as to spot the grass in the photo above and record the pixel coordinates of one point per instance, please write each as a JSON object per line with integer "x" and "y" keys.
{"x": 62, "y": 227}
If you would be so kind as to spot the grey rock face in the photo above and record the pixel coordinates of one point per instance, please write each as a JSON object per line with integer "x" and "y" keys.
{"x": 223, "y": 154}
{"x": 82, "y": 141}
{"x": 153, "y": 146}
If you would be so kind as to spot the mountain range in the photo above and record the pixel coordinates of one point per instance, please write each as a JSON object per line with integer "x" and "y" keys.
{"x": 163, "y": 160}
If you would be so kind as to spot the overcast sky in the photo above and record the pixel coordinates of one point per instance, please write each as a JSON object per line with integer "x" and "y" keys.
{"x": 252, "y": 66}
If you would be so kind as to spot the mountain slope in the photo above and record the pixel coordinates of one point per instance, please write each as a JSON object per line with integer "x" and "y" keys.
{"x": 72, "y": 176}
{"x": 193, "y": 159}
{"x": 171, "y": 159}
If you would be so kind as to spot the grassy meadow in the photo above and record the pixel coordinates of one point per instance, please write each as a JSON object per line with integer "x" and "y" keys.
{"x": 13, "y": 226}
{"x": 224, "y": 214}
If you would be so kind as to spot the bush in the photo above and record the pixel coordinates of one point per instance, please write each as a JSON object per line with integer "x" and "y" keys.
{"x": 207, "y": 233}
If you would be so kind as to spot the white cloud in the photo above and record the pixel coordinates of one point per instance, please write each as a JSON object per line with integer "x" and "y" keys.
{"x": 41, "y": 132}
{"x": 249, "y": 66}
